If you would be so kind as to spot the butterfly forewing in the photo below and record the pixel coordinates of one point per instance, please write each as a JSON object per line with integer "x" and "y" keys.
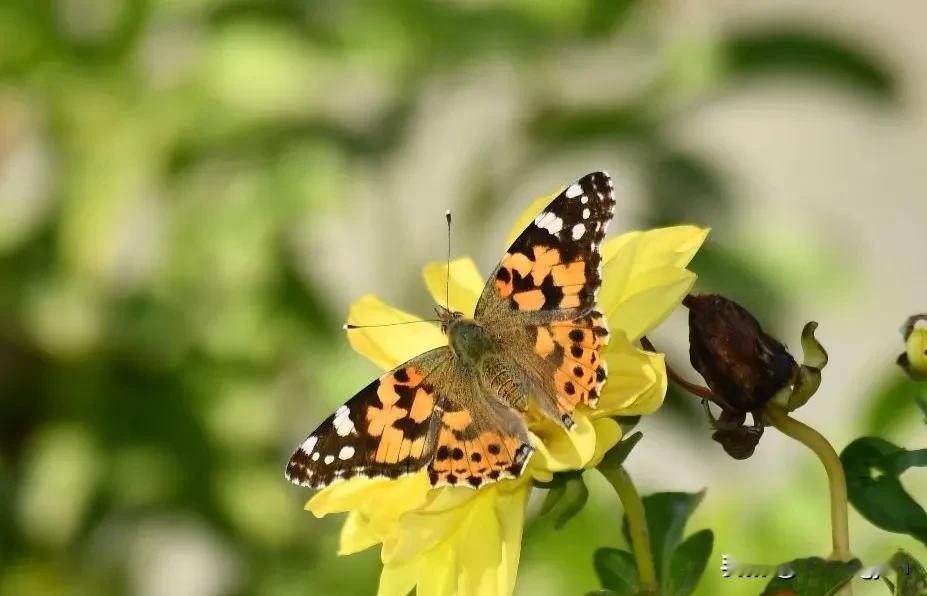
{"x": 426, "y": 411}
{"x": 388, "y": 429}
{"x": 553, "y": 265}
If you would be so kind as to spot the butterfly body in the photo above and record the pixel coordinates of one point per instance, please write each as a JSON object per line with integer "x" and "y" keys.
{"x": 481, "y": 356}
{"x": 470, "y": 342}
{"x": 459, "y": 410}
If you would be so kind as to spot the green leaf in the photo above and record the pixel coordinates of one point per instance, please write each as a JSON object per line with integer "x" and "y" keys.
{"x": 572, "y": 502}
{"x": 873, "y": 467}
{"x": 910, "y": 576}
{"x": 627, "y": 423}
{"x": 688, "y": 563}
{"x": 616, "y": 455}
{"x": 922, "y": 404}
{"x": 617, "y": 570}
{"x": 891, "y": 408}
{"x": 790, "y": 51}
{"x": 813, "y": 577}
{"x": 667, "y": 514}
{"x": 554, "y": 494}
{"x": 567, "y": 495}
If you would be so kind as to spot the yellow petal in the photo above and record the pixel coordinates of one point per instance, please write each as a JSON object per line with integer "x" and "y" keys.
{"x": 398, "y": 579}
{"x": 466, "y": 284}
{"x": 663, "y": 247}
{"x": 356, "y": 534}
{"x": 418, "y": 532}
{"x": 388, "y": 347}
{"x": 447, "y": 497}
{"x": 479, "y": 544}
{"x": 396, "y": 496}
{"x": 344, "y": 496}
{"x": 917, "y": 350}
{"x": 528, "y": 215}
{"x": 646, "y": 269}
{"x": 607, "y": 435}
{"x": 563, "y": 449}
{"x": 636, "y": 380}
{"x": 510, "y": 510}
{"x": 619, "y": 257}
{"x": 657, "y": 294}
{"x": 438, "y": 572}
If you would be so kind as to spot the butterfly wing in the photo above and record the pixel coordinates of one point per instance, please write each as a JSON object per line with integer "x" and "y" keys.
{"x": 423, "y": 412}
{"x": 543, "y": 295}
{"x": 387, "y": 430}
{"x": 480, "y": 439}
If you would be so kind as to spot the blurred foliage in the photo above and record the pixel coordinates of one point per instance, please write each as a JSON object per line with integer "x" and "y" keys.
{"x": 167, "y": 324}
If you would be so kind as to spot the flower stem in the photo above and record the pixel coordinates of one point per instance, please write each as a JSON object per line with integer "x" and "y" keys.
{"x": 836, "y": 479}
{"x": 618, "y": 477}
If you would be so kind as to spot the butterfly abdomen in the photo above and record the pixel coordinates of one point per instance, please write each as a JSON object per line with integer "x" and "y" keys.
{"x": 500, "y": 380}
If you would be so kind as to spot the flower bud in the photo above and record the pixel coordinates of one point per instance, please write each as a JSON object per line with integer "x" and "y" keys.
{"x": 742, "y": 364}
{"x": 914, "y": 359}
{"x": 738, "y": 441}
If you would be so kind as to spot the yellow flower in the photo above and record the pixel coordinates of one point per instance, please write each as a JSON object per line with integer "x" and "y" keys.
{"x": 914, "y": 358}
{"x": 459, "y": 540}
{"x": 917, "y": 350}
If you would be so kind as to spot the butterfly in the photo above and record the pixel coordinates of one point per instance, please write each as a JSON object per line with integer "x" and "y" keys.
{"x": 535, "y": 338}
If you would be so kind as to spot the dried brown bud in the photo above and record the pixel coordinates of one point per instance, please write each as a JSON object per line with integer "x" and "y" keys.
{"x": 739, "y": 441}
{"x": 742, "y": 365}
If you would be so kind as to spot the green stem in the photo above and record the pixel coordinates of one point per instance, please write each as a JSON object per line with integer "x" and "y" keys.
{"x": 637, "y": 525}
{"x": 840, "y": 531}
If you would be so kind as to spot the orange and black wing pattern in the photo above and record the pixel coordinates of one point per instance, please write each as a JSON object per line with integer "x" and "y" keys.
{"x": 554, "y": 264}
{"x": 479, "y": 443}
{"x": 572, "y": 350}
{"x": 544, "y": 290}
{"x": 388, "y": 429}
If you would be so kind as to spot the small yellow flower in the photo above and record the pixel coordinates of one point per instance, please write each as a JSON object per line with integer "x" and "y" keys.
{"x": 459, "y": 540}
{"x": 914, "y": 358}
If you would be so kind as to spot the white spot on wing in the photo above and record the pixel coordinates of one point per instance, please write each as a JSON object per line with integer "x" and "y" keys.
{"x": 578, "y": 231}
{"x": 586, "y": 213}
{"x": 342, "y": 421}
{"x": 584, "y": 200}
{"x": 315, "y": 456}
{"x": 574, "y": 191}
{"x": 309, "y": 444}
{"x": 329, "y": 459}
{"x": 347, "y": 452}
{"x": 549, "y": 221}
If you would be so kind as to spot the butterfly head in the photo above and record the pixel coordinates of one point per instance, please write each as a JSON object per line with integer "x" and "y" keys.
{"x": 447, "y": 317}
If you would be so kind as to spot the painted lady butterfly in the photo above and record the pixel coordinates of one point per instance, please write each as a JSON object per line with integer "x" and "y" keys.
{"x": 459, "y": 409}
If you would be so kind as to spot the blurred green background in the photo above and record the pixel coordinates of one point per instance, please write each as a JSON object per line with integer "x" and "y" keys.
{"x": 192, "y": 192}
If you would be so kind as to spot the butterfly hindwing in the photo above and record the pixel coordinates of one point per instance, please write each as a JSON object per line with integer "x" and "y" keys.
{"x": 480, "y": 440}
{"x": 572, "y": 352}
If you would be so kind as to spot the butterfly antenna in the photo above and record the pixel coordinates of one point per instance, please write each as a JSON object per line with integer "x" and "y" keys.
{"x": 350, "y": 326}
{"x": 447, "y": 281}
